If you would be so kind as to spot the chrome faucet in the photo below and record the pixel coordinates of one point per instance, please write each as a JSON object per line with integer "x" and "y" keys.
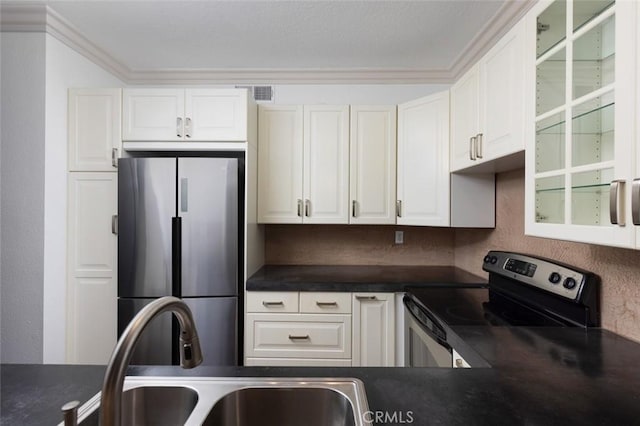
{"x": 190, "y": 353}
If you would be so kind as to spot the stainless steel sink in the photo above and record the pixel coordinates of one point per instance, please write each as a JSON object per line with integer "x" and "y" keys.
{"x": 237, "y": 402}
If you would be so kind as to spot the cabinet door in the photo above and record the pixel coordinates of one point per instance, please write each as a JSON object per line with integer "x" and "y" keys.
{"x": 423, "y": 161}
{"x": 373, "y": 330}
{"x": 280, "y": 164}
{"x": 579, "y": 157}
{"x": 153, "y": 115}
{"x": 465, "y": 119}
{"x": 216, "y": 115}
{"x": 326, "y": 164}
{"x": 94, "y": 129}
{"x": 373, "y": 165}
{"x": 502, "y": 91}
{"x": 92, "y": 255}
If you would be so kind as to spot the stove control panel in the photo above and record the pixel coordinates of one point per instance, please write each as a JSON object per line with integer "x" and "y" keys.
{"x": 541, "y": 273}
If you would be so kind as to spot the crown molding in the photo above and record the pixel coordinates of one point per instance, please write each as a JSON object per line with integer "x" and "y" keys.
{"x": 36, "y": 16}
{"x": 506, "y": 17}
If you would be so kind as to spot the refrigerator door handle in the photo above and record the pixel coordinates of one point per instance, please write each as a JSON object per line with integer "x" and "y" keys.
{"x": 184, "y": 194}
{"x": 176, "y": 254}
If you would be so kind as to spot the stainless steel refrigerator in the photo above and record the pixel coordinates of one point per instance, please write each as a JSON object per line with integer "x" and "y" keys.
{"x": 179, "y": 234}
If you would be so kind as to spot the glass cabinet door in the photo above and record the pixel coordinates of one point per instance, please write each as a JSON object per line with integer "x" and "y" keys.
{"x": 583, "y": 137}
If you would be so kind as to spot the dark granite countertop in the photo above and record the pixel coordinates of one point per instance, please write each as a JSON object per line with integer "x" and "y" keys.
{"x": 356, "y": 278}
{"x": 538, "y": 376}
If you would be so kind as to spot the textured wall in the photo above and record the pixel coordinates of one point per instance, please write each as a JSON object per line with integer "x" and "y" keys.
{"x": 619, "y": 269}
{"x": 357, "y": 245}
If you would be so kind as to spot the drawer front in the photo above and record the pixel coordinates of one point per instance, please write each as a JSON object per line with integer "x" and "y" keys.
{"x": 325, "y": 303}
{"x": 297, "y": 362}
{"x": 299, "y": 336}
{"x": 272, "y": 301}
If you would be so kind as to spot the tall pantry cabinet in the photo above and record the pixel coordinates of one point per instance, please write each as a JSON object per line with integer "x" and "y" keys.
{"x": 93, "y": 149}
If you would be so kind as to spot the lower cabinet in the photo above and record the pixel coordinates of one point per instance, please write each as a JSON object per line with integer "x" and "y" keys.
{"x": 319, "y": 329}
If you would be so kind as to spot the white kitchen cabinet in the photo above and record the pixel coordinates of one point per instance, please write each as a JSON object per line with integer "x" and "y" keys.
{"x": 372, "y": 173}
{"x": 185, "y": 115}
{"x": 373, "y": 329}
{"x": 303, "y": 165}
{"x": 580, "y": 147}
{"x": 487, "y": 108}
{"x": 94, "y": 117}
{"x": 92, "y": 269}
{"x": 423, "y": 161}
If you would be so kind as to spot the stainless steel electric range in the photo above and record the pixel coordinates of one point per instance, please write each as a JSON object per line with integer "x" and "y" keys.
{"x": 523, "y": 291}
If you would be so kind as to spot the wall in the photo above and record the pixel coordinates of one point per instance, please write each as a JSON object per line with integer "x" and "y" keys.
{"x": 619, "y": 269}
{"x": 65, "y": 68}
{"x": 22, "y": 189}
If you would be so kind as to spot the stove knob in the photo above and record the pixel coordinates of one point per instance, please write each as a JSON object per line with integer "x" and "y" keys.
{"x": 569, "y": 283}
{"x": 487, "y": 259}
{"x": 493, "y": 260}
{"x": 554, "y": 278}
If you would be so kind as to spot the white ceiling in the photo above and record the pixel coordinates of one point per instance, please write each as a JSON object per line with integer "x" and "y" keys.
{"x": 143, "y": 36}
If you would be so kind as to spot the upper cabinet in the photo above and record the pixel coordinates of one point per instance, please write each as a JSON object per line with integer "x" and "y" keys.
{"x": 487, "y": 108}
{"x": 303, "y": 164}
{"x": 94, "y": 130}
{"x": 581, "y": 143}
{"x": 185, "y": 115}
{"x": 373, "y": 165}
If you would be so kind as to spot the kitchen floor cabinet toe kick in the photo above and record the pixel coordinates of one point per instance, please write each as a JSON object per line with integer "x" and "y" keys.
{"x": 320, "y": 328}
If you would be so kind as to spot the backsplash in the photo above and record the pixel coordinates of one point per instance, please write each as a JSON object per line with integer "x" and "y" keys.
{"x": 619, "y": 269}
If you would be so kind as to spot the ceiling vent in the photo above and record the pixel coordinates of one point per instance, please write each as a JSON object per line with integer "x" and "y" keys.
{"x": 261, "y": 94}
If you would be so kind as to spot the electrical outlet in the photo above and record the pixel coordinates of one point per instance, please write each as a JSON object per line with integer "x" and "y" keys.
{"x": 399, "y": 237}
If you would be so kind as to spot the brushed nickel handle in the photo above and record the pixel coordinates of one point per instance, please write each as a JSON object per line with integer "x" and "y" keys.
{"x": 326, "y": 304}
{"x": 472, "y": 148}
{"x": 114, "y": 224}
{"x": 616, "y": 202}
{"x": 366, "y": 298}
{"x": 635, "y": 201}
{"x": 187, "y": 127}
{"x": 399, "y": 208}
{"x": 299, "y": 207}
{"x": 305, "y": 337}
{"x": 459, "y": 363}
{"x": 114, "y": 157}
{"x": 307, "y": 208}
{"x": 272, "y": 304}
{"x": 479, "y": 145}
{"x": 353, "y": 208}
{"x": 179, "y": 127}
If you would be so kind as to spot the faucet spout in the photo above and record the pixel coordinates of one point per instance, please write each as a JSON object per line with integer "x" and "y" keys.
{"x": 190, "y": 353}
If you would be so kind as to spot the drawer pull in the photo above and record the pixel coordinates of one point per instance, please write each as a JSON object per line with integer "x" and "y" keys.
{"x": 305, "y": 337}
{"x": 326, "y": 304}
{"x": 366, "y": 298}
{"x": 272, "y": 304}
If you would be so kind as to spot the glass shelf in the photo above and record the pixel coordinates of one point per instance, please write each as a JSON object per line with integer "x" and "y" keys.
{"x": 586, "y": 189}
{"x": 586, "y": 11}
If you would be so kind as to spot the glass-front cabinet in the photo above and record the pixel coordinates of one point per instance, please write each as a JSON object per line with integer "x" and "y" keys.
{"x": 580, "y": 147}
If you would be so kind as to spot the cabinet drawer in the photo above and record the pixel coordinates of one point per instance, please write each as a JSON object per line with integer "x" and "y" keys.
{"x": 272, "y": 301}
{"x": 299, "y": 336}
{"x": 297, "y": 362}
{"x": 325, "y": 303}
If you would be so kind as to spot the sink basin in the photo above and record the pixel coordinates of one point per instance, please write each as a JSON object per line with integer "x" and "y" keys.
{"x": 153, "y": 405}
{"x": 237, "y": 401}
{"x": 282, "y": 407}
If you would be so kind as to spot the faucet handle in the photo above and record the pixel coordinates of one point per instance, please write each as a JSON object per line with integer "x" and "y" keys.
{"x": 70, "y": 413}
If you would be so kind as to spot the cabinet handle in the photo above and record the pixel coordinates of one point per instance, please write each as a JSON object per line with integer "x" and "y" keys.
{"x": 307, "y": 208}
{"x": 299, "y": 207}
{"x": 366, "y": 298}
{"x": 114, "y": 157}
{"x": 635, "y": 201}
{"x": 305, "y": 337}
{"x": 472, "y": 148}
{"x": 459, "y": 363}
{"x": 272, "y": 304}
{"x": 616, "y": 203}
{"x": 179, "y": 127}
{"x": 399, "y": 208}
{"x": 187, "y": 127}
{"x": 479, "y": 145}
{"x": 353, "y": 208}
{"x": 114, "y": 224}
{"x": 326, "y": 304}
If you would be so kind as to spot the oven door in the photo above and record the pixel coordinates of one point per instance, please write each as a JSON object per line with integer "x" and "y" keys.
{"x": 422, "y": 348}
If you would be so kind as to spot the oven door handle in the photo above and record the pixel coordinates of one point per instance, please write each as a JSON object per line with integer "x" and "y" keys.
{"x": 423, "y": 326}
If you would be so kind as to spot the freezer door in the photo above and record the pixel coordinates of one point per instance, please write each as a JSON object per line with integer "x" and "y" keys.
{"x": 208, "y": 206}
{"x": 216, "y": 319}
{"x": 155, "y": 344}
{"x": 146, "y": 204}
